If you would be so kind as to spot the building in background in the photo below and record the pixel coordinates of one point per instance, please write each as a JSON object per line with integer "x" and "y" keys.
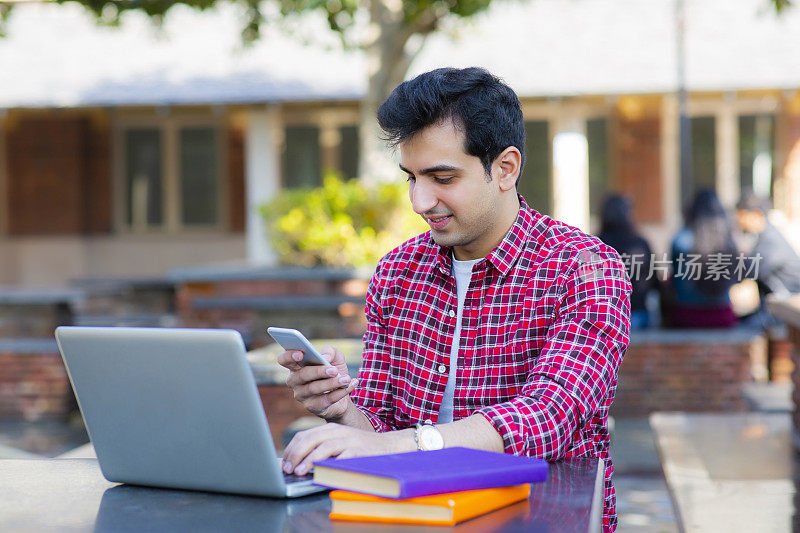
{"x": 132, "y": 151}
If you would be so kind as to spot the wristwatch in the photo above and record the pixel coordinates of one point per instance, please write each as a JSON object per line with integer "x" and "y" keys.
{"x": 428, "y": 437}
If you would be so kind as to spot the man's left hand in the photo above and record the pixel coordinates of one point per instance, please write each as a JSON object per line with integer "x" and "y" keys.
{"x": 335, "y": 440}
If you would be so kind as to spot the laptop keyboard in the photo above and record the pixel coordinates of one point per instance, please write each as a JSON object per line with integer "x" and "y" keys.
{"x": 293, "y": 478}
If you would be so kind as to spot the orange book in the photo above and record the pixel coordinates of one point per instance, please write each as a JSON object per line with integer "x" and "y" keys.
{"x": 438, "y": 510}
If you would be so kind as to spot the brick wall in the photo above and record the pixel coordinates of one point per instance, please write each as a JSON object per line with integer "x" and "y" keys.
{"x": 58, "y": 175}
{"x": 237, "y": 198}
{"x": 281, "y": 408}
{"x": 794, "y": 337}
{"x": 638, "y": 164}
{"x": 34, "y": 386}
{"x": 97, "y": 182}
{"x": 682, "y": 371}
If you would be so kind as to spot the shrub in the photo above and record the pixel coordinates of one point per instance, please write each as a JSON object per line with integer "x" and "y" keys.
{"x": 341, "y": 224}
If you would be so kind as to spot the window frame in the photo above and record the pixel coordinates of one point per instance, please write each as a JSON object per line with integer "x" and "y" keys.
{"x": 328, "y": 121}
{"x": 551, "y": 111}
{"x": 729, "y": 107}
{"x": 169, "y": 127}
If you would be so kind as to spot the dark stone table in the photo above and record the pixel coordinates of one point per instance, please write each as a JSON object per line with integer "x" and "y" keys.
{"x": 72, "y": 495}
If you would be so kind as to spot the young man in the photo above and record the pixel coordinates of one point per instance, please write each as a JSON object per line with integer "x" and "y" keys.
{"x": 498, "y": 329}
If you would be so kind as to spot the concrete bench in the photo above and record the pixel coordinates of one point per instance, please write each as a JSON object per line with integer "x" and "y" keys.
{"x": 320, "y": 302}
{"x": 689, "y": 370}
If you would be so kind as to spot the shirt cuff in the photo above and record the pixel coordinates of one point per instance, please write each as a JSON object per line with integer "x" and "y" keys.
{"x": 377, "y": 422}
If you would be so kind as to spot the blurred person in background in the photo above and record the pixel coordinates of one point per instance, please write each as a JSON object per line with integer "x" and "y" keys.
{"x": 703, "y": 259}
{"x": 617, "y": 230}
{"x": 772, "y": 262}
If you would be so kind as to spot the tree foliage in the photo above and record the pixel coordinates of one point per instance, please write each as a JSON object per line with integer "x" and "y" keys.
{"x": 780, "y": 5}
{"x": 422, "y": 16}
{"x": 340, "y": 224}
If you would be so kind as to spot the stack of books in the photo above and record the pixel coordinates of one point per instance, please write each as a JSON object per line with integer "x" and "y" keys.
{"x": 441, "y": 487}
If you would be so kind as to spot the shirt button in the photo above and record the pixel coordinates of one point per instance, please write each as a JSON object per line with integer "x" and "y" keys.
{"x": 451, "y": 313}
{"x": 442, "y": 369}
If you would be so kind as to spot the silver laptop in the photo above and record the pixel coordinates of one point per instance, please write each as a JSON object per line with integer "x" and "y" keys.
{"x": 175, "y": 408}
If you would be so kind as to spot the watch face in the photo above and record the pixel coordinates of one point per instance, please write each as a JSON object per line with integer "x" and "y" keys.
{"x": 430, "y": 438}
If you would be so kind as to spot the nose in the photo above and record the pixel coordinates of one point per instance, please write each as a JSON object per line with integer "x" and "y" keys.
{"x": 423, "y": 198}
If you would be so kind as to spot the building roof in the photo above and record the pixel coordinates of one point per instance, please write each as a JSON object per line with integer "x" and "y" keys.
{"x": 56, "y": 56}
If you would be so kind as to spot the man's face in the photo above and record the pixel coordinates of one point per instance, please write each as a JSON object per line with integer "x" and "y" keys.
{"x": 451, "y": 191}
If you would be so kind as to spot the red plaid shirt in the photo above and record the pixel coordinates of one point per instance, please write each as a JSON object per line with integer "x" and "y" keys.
{"x": 545, "y": 325}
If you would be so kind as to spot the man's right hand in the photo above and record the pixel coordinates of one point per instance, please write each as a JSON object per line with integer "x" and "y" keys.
{"x": 323, "y": 390}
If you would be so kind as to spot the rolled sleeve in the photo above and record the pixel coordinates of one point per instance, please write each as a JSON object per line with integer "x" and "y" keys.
{"x": 576, "y": 367}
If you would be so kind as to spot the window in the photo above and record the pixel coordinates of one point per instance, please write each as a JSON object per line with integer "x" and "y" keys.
{"x": 305, "y": 158}
{"x": 143, "y": 178}
{"x": 301, "y": 157}
{"x": 597, "y": 139}
{"x": 348, "y": 151}
{"x": 704, "y": 154}
{"x": 534, "y": 184}
{"x": 171, "y": 174}
{"x": 756, "y": 149}
{"x": 198, "y": 167}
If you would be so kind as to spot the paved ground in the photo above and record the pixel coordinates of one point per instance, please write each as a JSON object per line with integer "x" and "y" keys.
{"x": 643, "y": 502}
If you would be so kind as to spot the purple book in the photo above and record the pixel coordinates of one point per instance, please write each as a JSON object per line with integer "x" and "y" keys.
{"x": 408, "y": 475}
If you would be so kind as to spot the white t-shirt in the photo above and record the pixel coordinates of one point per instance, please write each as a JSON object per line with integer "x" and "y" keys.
{"x": 463, "y": 273}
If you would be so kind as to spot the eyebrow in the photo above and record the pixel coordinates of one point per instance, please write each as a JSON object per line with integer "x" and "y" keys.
{"x": 432, "y": 170}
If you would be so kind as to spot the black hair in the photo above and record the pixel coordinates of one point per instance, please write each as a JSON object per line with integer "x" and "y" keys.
{"x": 750, "y": 201}
{"x": 709, "y": 222}
{"x": 616, "y": 216}
{"x": 477, "y": 102}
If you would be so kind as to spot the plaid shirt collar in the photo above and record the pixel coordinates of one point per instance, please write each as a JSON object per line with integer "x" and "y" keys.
{"x": 505, "y": 254}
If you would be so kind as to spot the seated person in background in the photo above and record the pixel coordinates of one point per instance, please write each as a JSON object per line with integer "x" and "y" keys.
{"x": 499, "y": 329}
{"x": 703, "y": 260}
{"x": 617, "y": 231}
{"x": 775, "y": 264}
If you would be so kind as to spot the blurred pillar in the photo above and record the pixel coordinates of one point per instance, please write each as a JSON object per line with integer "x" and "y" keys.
{"x": 670, "y": 162}
{"x": 787, "y": 193}
{"x": 571, "y": 171}
{"x": 329, "y": 141}
{"x": 684, "y": 121}
{"x": 727, "y": 146}
{"x": 263, "y": 140}
{"x": 638, "y": 150}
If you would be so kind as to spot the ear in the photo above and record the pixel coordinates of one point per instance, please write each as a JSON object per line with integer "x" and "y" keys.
{"x": 507, "y": 167}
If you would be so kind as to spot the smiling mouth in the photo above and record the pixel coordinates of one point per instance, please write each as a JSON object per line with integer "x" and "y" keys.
{"x": 438, "y": 222}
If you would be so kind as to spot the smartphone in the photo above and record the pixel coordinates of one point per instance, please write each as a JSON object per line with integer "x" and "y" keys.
{"x": 291, "y": 339}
